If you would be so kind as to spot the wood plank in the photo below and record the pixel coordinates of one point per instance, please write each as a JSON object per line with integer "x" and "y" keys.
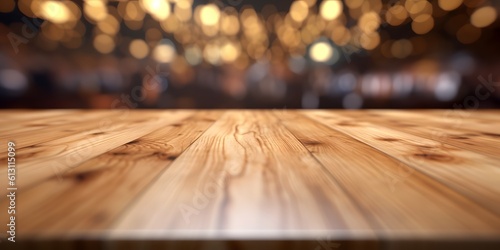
{"x": 21, "y": 116}
{"x": 462, "y": 138}
{"x": 451, "y": 119}
{"x": 50, "y": 120}
{"x": 348, "y": 175}
{"x": 390, "y": 192}
{"x": 246, "y": 176}
{"x": 473, "y": 175}
{"x": 41, "y": 120}
{"x": 29, "y": 134}
{"x": 472, "y": 114}
{"x": 107, "y": 183}
{"x": 54, "y": 157}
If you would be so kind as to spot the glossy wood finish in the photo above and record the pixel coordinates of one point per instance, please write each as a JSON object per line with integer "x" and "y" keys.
{"x": 267, "y": 174}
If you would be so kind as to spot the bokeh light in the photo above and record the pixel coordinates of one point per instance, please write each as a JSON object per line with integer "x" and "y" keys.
{"x": 164, "y": 52}
{"x": 209, "y": 14}
{"x": 139, "y": 48}
{"x": 310, "y": 45}
{"x": 55, "y": 11}
{"x": 104, "y": 43}
{"x": 331, "y": 9}
{"x": 321, "y": 52}
{"x": 483, "y": 17}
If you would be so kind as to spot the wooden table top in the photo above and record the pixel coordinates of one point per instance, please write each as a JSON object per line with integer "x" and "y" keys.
{"x": 266, "y": 174}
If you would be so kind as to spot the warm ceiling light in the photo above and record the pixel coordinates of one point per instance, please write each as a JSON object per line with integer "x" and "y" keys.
{"x": 95, "y": 10}
{"x": 158, "y": 9}
{"x": 369, "y": 41}
{"x": 369, "y": 22}
{"x": 353, "y": 4}
{"x": 483, "y": 17}
{"x": 104, "y": 43}
{"x": 164, "y": 52}
{"x": 183, "y": 10}
{"x": 396, "y": 15}
{"x": 422, "y": 24}
{"x": 55, "y": 12}
{"x": 331, "y": 9}
{"x": 138, "y": 48}
{"x": 210, "y": 15}
{"x": 299, "y": 11}
{"x": 211, "y": 53}
{"x": 321, "y": 52}
{"x": 449, "y": 5}
{"x": 229, "y": 52}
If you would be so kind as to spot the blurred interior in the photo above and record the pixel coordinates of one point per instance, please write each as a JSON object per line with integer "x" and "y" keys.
{"x": 249, "y": 54}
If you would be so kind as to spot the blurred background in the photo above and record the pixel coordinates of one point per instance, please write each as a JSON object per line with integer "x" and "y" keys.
{"x": 250, "y": 54}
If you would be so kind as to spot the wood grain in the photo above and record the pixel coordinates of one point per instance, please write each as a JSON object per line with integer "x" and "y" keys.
{"x": 51, "y": 158}
{"x": 471, "y": 121}
{"x": 374, "y": 175}
{"x": 472, "y": 174}
{"x": 21, "y": 117}
{"x": 28, "y": 134}
{"x": 482, "y": 143}
{"x": 389, "y": 190}
{"x": 246, "y": 174}
{"x": 115, "y": 178}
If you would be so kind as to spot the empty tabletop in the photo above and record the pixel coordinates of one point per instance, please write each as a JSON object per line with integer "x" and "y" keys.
{"x": 320, "y": 176}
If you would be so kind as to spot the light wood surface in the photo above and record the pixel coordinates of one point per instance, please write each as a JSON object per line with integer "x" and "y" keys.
{"x": 266, "y": 174}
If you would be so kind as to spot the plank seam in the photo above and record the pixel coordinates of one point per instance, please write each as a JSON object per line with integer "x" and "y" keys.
{"x": 121, "y": 214}
{"x": 372, "y": 223}
{"x": 457, "y": 192}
